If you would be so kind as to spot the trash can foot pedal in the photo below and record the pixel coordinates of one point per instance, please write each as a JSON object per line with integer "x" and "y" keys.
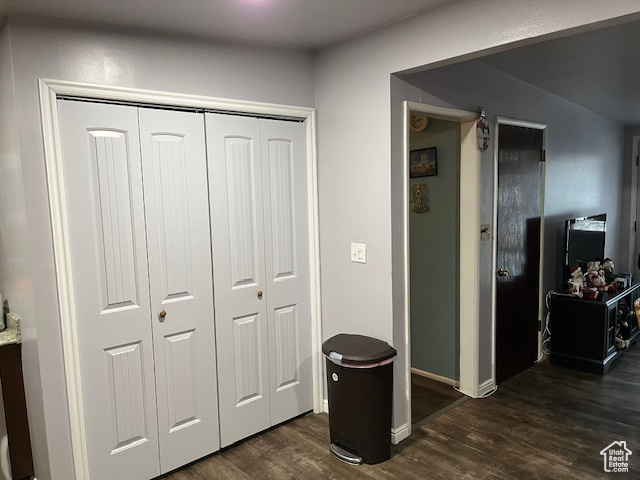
{"x": 345, "y": 455}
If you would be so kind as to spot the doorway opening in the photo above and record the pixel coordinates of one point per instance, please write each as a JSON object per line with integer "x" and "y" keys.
{"x": 439, "y": 141}
{"x": 434, "y": 183}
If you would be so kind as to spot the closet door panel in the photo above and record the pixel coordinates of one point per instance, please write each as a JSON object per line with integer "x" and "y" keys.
{"x": 287, "y": 267}
{"x": 235, "y": 180}
{"x": 178, "y": 237}
{"x": 103, "y": 189}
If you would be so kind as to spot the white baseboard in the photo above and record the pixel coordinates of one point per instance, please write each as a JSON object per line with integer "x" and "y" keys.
{"x": 325, "y": 406}
{"x": 437, "y": 378}
{"x": 400, "y": 433}
{"x": 486, "y": 387}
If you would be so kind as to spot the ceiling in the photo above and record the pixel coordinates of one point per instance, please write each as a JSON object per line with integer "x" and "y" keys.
{"x": 310, "y": 24}
{"x": 599, "y": 70}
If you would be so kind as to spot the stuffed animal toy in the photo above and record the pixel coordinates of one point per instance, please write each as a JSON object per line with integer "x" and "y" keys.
{"x": 576, "y": 283}
{"x": 620, "y": 343}
{"x": 576, "y": 274}
{"x": 575, "y": 289}
{"x": 596, "y": 277}
{"x": 608, "y": 266}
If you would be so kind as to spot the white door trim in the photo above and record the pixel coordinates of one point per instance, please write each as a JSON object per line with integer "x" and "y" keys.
{"x": 634, "y": 245}
{"x": 470, "y": 178}
{"x": 49, "y": 91}
{"x": 469, "y": 247}
{"x": 494, "y": 248}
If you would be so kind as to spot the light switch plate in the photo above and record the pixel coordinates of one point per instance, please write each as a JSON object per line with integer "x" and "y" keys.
{"x": 359, "y": 252}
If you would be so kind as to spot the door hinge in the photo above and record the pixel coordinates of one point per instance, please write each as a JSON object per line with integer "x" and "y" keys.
{"x": 638, "y": 160}
{"x": 543, "y": 156}
{"x": 635, "y": 226}
{"x": 539, "y": 325}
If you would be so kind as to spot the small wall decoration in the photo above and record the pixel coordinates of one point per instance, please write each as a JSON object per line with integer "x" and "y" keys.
{"x": 423, "y": 162}
{"x": 419, "y": 197}
{"x": 482, "y": 130}
{"x": 418, "y": 123}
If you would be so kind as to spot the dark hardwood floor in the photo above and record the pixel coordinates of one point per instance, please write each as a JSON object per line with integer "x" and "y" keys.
{"x": 428, "y": 397}
{"x": 546, "y": 423}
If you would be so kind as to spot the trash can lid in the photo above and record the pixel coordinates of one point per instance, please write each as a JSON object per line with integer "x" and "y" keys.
{"x": 358, "y": 349}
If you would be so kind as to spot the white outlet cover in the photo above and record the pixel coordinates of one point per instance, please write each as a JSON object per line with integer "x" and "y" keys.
{"x": 359, "y": 252}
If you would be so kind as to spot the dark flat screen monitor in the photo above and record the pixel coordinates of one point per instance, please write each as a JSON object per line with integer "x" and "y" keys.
{"x": 584, "y": 240}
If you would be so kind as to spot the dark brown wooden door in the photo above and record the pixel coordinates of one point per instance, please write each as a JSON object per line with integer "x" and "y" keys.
{"x": 518, "y": 249}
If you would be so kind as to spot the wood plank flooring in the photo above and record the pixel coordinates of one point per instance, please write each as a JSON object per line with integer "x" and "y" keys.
{"x": 546, "y": 423}
{"x": 429, "y": 396}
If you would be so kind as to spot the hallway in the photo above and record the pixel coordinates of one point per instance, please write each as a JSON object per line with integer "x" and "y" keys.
{"x": 545, "y": 423}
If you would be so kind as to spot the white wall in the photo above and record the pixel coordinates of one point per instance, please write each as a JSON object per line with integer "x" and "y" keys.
{"x": 15, "y": 268}
{"x": 9, "y": 160}
{"x": 358, "y": 201}
{"x": 123, "y": 58}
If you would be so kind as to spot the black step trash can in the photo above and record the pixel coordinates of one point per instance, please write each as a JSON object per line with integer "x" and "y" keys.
{"x": 360, "y": 388}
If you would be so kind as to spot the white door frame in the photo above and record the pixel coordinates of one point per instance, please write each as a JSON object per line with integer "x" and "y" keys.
{"x": 634, "y": 244}
{"x": 49, "y": 91}
{"x": 494, "y": 284}
{"x": 469, "y": 246}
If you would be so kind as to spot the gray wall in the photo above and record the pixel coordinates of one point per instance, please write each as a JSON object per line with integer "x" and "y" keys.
{"x": 13, "y": 266}
{"x": 359, "y": 183}
{"x": 628, "y": 232}
{"x": 584, "y": 169}
{"x": 138, "y": 59}
{"x": 360, "y": 150}
{"x": 434, "y": 256}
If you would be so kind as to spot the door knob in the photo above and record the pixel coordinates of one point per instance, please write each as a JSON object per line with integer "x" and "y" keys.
{"x": 503, "y": 273}
{"x": 162, "y": 314}
{"x": 259, "y": 293}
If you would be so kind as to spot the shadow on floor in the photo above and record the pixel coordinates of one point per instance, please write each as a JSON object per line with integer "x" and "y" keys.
{"x": 430, "y": 398}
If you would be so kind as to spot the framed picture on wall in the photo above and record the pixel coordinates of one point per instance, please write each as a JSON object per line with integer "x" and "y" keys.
{"x": 423, "y": 162}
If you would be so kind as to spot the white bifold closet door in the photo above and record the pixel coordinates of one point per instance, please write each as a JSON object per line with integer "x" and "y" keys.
{"x": 258, "y": 185}
{"x": 137, "y": 211}
{"x": 179, "y": 251}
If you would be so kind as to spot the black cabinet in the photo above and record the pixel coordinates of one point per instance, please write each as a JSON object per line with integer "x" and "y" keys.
{"x": 583, "y": 331}
{"x": 15, "y": 411}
